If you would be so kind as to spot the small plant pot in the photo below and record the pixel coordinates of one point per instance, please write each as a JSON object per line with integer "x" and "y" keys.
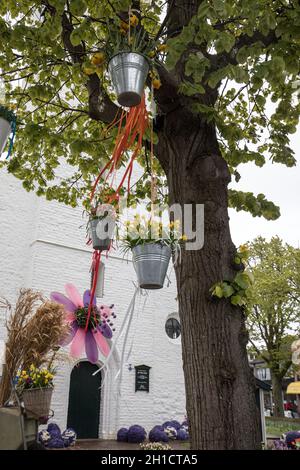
{"x": 151, "y": 263}
{"x": 128, "y": 71}
{"x": 101, "y": 233}
{"x": 37, "y": 401}
{"x": 5, "y": 131}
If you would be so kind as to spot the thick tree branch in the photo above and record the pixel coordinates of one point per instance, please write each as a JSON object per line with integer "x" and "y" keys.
{"x": 101, "y": 108}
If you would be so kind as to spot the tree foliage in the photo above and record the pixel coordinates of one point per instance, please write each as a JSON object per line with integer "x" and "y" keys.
{"x": 274, "y": 301}
{"x": 234, "y": 63}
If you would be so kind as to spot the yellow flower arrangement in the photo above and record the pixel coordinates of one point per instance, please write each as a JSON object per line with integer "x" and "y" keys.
{"x": 35, "y": 377}
{"x": 143, "y": 230}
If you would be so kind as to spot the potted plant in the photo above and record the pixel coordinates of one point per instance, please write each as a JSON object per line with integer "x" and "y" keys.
{"x": 102, "y": 218}
{"x": 7, "y": 126}
{"x": 35, "y": 387}
{"x": 128, "y": 65}
{"x": 102, "y": 225}
{"x": 129, "y": 50}
{"x": 151, "y": 244}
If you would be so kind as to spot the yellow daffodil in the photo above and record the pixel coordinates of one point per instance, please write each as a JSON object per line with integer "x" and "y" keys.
{"x": 134, "y": 21}
{"x": 243, "y": 248}
{"x": 156, "y": 83}
{"x": 162, "y": 47}
{"x": 124, "y": 25}
{"x": 184, "y": 238}
{"x": 98, "y": 58}
{"x": 151, "y": 54}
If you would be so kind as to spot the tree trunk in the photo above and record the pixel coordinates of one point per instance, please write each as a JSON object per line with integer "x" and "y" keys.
{"x": 220, "y": 388}
{"x": 277, "y": 395}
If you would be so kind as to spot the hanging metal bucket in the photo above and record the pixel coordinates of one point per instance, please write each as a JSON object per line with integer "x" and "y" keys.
{"x": 151, "y": 263}
{"x": 101, "y": 233}
{"x": 128, "y": 71}
{"x": 5, "y": 130}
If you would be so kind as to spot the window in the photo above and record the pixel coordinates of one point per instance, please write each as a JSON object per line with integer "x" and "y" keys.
{"x": 173, "y": 328}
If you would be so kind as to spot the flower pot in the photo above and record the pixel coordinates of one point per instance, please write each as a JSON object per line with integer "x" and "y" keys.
{"x": 128, "y": 71}
{"x": 5, "y": 130}
{"x": 37, "y": 401}
{"x": 101, "y": 233}
{"x": 151, "y": 263}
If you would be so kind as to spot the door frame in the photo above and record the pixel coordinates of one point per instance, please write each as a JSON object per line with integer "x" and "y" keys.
{"x": 110, "y": 398}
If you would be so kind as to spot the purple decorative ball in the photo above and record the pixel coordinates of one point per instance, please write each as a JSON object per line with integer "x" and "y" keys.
{"x": 157, "y": 434}
{"x": 175, "y": 424}
{"x": 290, "y": 437}
{"x": 44, "y": 437}
{"x": 56, "y": 443}
{"x": 54, "y": 430}
{"x": 122, "y": 435}
{"x": 182, "y": 435}
{"x": 171, "y": 432}
{"x": 136, "y": 434}
{"x": 166, "y": 424}
{"x": 69, "y": 437}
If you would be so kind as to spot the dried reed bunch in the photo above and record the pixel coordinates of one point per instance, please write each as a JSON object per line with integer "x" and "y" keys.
{"x": 35, "y": 329}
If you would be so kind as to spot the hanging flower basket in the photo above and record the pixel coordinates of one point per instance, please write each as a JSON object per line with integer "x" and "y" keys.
{"x": 151, "y": 261}
{"x": 7, "y": 127}
{"x": 128, "y": 71}
{"x": 37, "y": 401}
{"x": 101, "y": 232}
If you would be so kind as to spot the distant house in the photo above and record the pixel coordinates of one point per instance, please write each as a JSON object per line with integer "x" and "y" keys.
{"x": 262, "y": 372}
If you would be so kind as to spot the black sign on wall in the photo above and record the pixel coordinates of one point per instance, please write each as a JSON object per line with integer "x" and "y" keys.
{"x": 142, "y": 373}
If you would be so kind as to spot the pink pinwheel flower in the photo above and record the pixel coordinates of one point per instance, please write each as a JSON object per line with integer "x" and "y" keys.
{"x": 98, "y": 330}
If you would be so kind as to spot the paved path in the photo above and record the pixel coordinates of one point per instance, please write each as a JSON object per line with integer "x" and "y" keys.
{"x": 99, "y": 444}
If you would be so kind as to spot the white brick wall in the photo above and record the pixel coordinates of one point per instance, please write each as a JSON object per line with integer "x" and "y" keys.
{"x": 42, "y": 246}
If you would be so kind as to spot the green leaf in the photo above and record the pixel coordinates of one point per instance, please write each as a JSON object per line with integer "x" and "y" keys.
{"x": 218, "y": 292}
{"x": 242, "y": 280}
{"x": 228, "y": 290}
{"x": 237, "y": 300}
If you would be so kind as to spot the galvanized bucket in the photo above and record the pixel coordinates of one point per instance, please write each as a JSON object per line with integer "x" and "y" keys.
{"x": 128, "y": 71}
{"x": 101, "y": 233}
{"x": 5, "y": 130}
{"x": 151, "y": 263}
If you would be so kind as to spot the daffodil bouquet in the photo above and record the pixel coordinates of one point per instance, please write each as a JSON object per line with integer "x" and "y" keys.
{"x": 142, "y": 230}
{"x": 35, "y": 377}
{"x": 127, "y": 35}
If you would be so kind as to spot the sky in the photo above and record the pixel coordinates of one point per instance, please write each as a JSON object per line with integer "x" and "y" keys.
{"x": 281, "y": 185}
